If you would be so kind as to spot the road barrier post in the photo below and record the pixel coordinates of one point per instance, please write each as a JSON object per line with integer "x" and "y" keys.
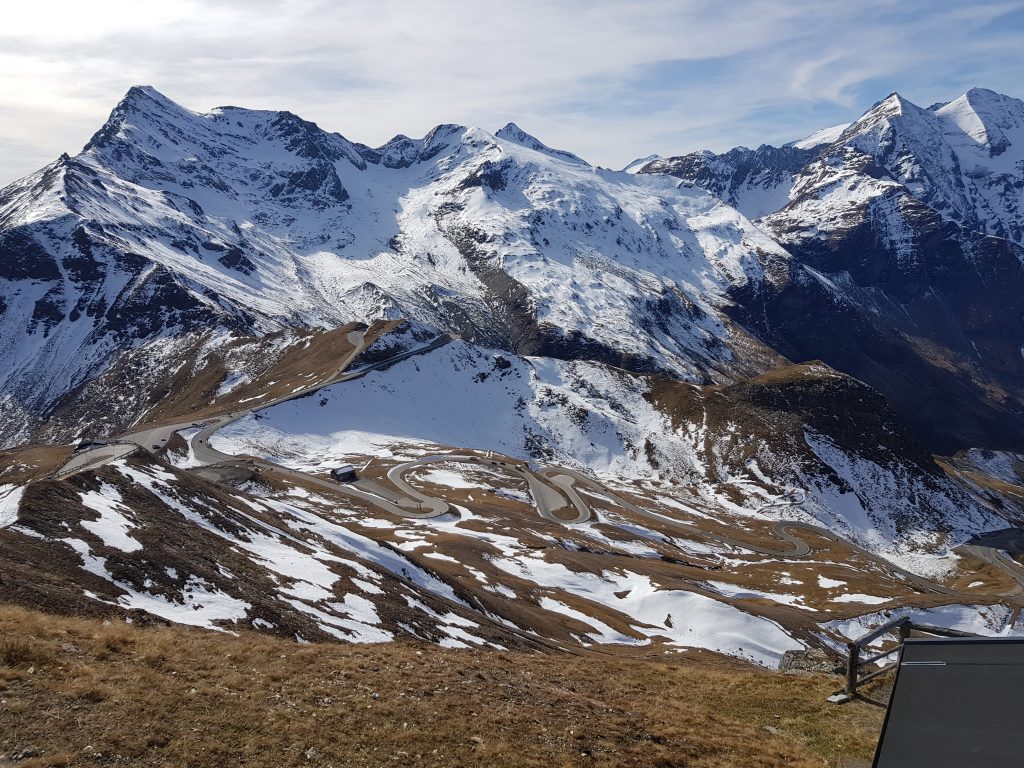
{"x": 852, "y": 662}
{"x": 902, "y": 628}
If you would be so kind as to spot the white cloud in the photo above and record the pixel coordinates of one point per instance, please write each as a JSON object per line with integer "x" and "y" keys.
{"x": 609, "y": 80}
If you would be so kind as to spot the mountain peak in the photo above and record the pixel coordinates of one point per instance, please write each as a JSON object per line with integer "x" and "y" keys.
{"x": 513, "y": 133}
{"x": 986, "y": 104}
{"x": 983, "y": 94}
{"x": 823, "y": 136}
{"x": 984, "y": 116}
{"x": 143, "y": 101}
{"x": 894, "y": 110}
{"x": 894, "y": 102}
{"x": 147, "y": 99}
{"x": 139, "y": 92}
{"x": 639, "y": 163}
{"x": 991, "y": 105}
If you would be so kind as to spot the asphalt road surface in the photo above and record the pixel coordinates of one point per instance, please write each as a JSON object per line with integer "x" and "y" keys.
{"x": 95, "y": 458}
{"x": 553, "y": 489}
{"x": 155, "y": 438}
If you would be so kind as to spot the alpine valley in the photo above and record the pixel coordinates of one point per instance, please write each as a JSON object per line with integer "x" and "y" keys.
{"x": 736, "y": 404}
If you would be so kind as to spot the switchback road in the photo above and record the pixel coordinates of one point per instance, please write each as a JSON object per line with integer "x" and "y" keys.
{"x": 554, "y": 489}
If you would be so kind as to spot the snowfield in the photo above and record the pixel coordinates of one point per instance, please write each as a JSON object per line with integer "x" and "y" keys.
{"x": 314, "y": 562}
{"x": 987, "y": 620}
{"x": 465, "y": 396}
{"x": 644, "y": 331}
{"x": 10, "y": 497}
{"x": 686, "y": 619}
{"x": 595, "y": 418}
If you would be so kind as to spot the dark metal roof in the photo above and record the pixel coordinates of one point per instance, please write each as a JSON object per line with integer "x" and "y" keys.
{"x": 955, "y": 702}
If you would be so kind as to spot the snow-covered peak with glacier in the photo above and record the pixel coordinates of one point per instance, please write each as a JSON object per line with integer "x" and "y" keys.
{"x": 991, "y": 121}
{"x": 512, "y": 132}
{"x": 964, "y": 159}
{"x": 364, "y": 211}
{"x": 172, "y": 221}
{"x": 910, "y": 221}
{"x": 820, "y": 137}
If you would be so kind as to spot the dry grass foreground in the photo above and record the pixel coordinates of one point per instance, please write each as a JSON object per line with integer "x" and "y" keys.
{"x": 79, "y": 691}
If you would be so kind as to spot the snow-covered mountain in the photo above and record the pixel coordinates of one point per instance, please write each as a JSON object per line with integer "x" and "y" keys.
{"x": 636, "y": 165}
{"x": 965, "y": 159}
{"x": 755, "y": 181}
{"x": 252, "y": 221}
{"x": 819, "y": 137}
{"x": 905, "y": 228}
{"x": 685, "y": 351}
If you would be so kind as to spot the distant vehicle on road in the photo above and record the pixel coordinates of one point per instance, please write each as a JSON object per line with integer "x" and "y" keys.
{"x": 346, "y": 473}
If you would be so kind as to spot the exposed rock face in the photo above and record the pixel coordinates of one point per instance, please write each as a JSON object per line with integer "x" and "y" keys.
{"x": 905, "y": 232}
{"x": 172, "y": 223}
{"x": 755, "y": 181}
{"x": 808, "y": 426}
{"x": 810, "y": 661}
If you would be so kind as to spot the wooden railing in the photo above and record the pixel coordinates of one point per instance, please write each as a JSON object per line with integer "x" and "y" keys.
{"x": 856, "y": 663}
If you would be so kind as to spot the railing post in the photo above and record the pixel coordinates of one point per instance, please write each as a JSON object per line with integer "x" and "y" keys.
{"x": 852, "y": 662}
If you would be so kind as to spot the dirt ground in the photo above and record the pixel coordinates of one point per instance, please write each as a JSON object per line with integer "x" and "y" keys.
{"x": 77, "y": 691}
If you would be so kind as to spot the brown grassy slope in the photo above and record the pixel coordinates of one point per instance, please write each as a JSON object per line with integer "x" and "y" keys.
{"x": 302, "y": 364}
{"x": 777, "y": 406}
{"x": 1004, "y": 494}
{"x": 82, "y": 692}
{"x": 139, "y": 391}
{"x": 27, "y": 463}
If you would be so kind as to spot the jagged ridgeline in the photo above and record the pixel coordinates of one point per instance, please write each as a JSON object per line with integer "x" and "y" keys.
{"x": 905, "y": 229}
{"x": 709, "y": 347}
{"x": 172, "y": 223}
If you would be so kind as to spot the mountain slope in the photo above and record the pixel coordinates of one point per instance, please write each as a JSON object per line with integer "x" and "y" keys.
{"x": 755, "y": 181}
{"x": 683, "y": 544}
{"x": 251, "y": 222}
{"x": 735, "y": 449}
{"x": 905, "y": 232}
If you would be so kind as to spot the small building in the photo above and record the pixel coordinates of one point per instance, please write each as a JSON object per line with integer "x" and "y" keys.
{"x": 346, "y": 473}
{"x": 86, "y": 443}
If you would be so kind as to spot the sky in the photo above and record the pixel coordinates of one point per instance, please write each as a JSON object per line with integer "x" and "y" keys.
{"x": 610, "y": 80}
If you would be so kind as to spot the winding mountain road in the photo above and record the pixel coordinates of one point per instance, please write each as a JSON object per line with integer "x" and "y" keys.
{"x": 546, "y": 484}
{"x": 553, "y": 489}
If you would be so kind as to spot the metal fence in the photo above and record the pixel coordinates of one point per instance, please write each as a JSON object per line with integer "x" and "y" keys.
{"x": 857, "y": 664}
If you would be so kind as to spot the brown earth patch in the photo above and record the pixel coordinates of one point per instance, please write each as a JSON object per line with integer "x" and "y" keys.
{"x": 313, "y": 359}
{"x": 85, "y": 692}
{"x": 31, "y": 462}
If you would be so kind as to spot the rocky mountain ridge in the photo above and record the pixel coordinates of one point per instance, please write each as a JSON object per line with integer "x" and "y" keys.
{"x": 252, "y": 222}
{"x": 735, "y": 381}
{"x": 905, "y": 227}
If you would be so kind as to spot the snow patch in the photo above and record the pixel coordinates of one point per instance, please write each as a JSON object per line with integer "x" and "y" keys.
{"x": 113, "y": 526}
{"x": 10, "y": 500}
